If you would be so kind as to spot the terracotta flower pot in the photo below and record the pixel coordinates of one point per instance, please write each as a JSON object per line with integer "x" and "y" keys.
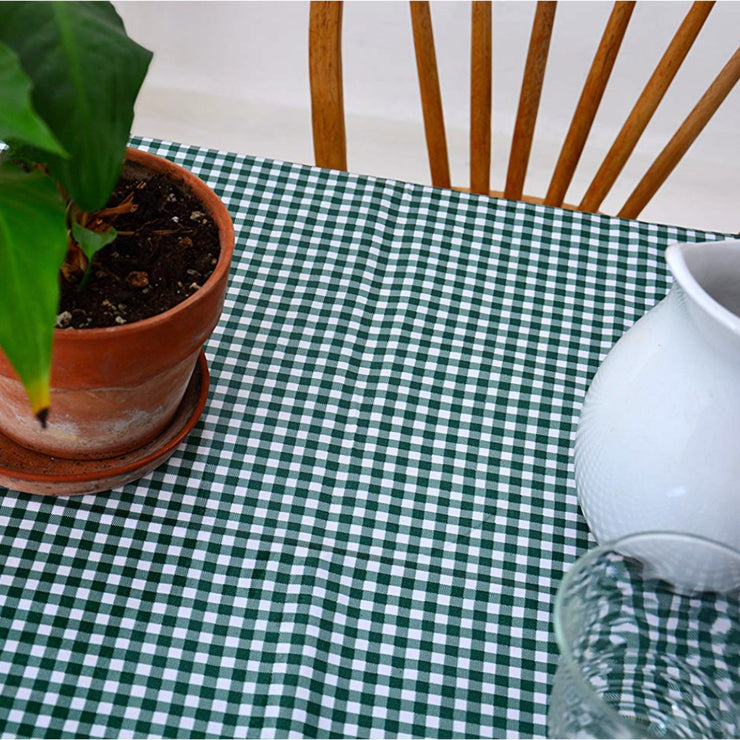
{"x": 115, "y": 389}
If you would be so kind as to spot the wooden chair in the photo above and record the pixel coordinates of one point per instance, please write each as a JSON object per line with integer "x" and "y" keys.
{"x": 325, "y": 68}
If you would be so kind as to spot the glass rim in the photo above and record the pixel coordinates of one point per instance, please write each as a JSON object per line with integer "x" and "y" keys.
{"x": 565, "y": 652}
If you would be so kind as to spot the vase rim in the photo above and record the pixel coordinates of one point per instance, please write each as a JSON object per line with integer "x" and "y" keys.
{"x": 676, "y": 258}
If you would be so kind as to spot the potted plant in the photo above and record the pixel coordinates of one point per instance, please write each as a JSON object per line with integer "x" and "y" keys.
{"x": 99, "y": 391}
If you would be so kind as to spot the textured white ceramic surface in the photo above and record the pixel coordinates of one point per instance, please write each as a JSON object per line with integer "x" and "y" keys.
{"x": 658, "y": 442}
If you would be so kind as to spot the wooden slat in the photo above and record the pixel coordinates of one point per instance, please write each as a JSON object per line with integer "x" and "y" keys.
{"x": 588, "y": 104}
{"x": 480, "y": 97}
{"x": 683, "y": 138}
{"x": 327, "y": 94}
{"x": 645, "y": 106}
{"x": 529, "y": 99}
{"x": 431, "y": 98}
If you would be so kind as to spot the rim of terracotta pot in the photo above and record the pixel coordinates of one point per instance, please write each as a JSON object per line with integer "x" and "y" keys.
{"x": 223, "y": 222}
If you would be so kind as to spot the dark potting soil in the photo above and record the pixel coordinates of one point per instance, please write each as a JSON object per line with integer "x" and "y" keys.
{"x": 165, "y": 250}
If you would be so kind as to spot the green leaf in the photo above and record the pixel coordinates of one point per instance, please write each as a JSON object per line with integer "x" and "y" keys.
{"x": 92, "y": 241}
{"x": 33, "y": 243}
{"x": 18, "y": 120}
{"x": 86, "y": 74}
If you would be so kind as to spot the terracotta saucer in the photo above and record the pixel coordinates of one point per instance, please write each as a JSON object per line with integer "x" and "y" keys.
{"x": 33, "y": 472}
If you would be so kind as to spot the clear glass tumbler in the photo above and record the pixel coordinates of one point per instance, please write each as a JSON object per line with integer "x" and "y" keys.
{"x": 648, "y": 628}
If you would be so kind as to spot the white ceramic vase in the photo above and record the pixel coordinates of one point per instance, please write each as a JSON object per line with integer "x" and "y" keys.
{"x": 658, "y": 442}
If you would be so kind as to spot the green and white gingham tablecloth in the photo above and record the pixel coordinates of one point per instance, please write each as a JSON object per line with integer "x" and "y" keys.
{"x": 364, "y": 533}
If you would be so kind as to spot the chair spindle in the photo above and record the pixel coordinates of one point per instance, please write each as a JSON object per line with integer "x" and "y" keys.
{"x": 645, "y": 106}
{"x": 431, "y": 98}
{"x": 327, "y": 101}
{"x": 327, "y": 91}
{"x": 481, "y": 84}
{"x": 529, "y": 99}
{"x": 683, "y": 138}
{"x": 588, "y": 104}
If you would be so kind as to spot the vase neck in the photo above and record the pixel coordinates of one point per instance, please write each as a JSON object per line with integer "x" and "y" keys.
{"x": 707, "y": 280}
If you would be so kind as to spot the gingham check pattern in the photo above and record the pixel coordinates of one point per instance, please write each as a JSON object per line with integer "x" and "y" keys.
{"x": 364, "y": 533}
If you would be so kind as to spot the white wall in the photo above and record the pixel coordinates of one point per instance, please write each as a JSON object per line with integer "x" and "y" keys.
{"x": 234, "y": 75}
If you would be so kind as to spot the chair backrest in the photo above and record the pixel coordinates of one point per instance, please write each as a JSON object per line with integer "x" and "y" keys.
{"x": 325, "y": 69}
